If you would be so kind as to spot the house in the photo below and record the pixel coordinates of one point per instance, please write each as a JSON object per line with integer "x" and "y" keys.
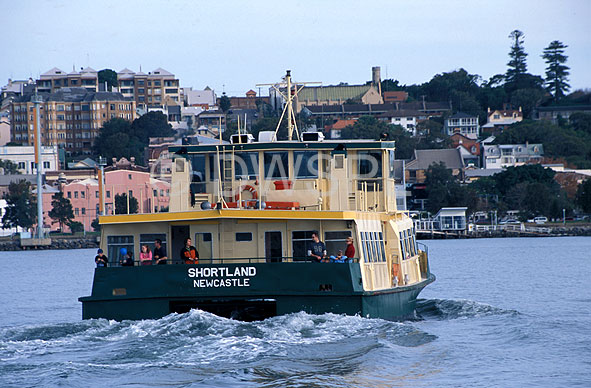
{"x": 469, "y": 149}
{"x": 510, "y": 155}
{"x": 552, "y": 113}
{"x": 398, "y": 96}
{"x": 464, "y": 124}
{"x": 334, "y": 130}
{"x": 407, "y": 119}
{"x": 423, "y": 159}
{"x": 499, "y": 119}
{"x": 428, "y": 109}
{"x": 205, "y": 98}
{"x": 450, "y": 219}
{"x": 24, "y": 158}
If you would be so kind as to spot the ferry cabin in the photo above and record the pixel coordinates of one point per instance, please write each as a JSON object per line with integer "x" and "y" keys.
{"x": 259, "y": 203}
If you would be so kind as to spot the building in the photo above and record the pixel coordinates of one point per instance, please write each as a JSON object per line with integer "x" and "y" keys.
{"x": 156, "y": 89}
{"x": 54, "y": 79}
{"x": 407, "y": 119}
{"x": 13, "y": 89}
{"x": 205, "y": 98}
{"x": 248, "y": 102}
{"x": 417, "y": 167}
{"x": 392, "y": 97}
{"x": 24, "y": 158}
{"x": 427, "y": 109}
{"x": 334, "y": 130}
{"x": 4, "y": 129}
{"x": 552, "y": 113}
{"x": 511, "y": 155}
{"x": 499, "y": 119}
{"x": 469, "y": 149}
{"x": 464, "y": 124}
{"x": 70, "y": 117}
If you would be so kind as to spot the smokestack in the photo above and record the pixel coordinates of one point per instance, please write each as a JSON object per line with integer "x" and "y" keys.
{"x": 376, "y": 78}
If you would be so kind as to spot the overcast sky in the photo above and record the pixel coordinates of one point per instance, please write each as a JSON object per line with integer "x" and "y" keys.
{"x": 234, "y": 45}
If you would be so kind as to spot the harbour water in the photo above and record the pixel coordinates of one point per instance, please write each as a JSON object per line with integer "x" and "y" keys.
{"x": 502, "y": 313}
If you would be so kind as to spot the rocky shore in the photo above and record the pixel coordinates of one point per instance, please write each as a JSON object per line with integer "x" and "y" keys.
{"x": 56, "y": 243}
{"x": 553, "y": 231}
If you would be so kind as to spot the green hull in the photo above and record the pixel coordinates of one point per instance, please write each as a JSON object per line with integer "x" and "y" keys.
{"x": 243, "y": 291}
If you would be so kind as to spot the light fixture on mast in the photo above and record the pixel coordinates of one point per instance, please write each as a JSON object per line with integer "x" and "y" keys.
{"x": 291, "y": 92}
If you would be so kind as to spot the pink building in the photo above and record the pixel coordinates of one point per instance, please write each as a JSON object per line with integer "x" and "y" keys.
{"x": 152, "y": 194}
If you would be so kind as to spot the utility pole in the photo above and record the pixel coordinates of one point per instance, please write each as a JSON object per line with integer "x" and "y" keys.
{"x": 39, "y": 162}
{"x": 102, "y": 163}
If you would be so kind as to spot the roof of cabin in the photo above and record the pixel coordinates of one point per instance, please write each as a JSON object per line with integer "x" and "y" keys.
{"x": 328, "y": 145}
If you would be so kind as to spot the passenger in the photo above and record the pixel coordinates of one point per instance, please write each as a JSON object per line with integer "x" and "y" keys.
{"x": 339, "y": 258}
{"x": 189, "y": 253}
{"x": 101, "y": 260}
{"x": 146, "y": 255}
{"x": 350, "y": 250}
{"x": 159, "y": 253}
{"x": 126, "y": 260}
{"x": 317, "y": 249}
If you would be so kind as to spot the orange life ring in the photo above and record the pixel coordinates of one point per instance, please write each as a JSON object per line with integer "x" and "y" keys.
{"x": 248, "y": 188}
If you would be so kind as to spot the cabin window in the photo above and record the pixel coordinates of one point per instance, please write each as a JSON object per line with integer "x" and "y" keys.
{"x": 392, "y": 165}
{"x": 180, "y": 165}
{"x": 407, "y": 244}
{"x": 204, "y": 244}
{"x": 246, "y": 165}
{"x": 214, "y": 172}
{"x": 243, "y": 236}
{"x": 299, "y": 243}
{"x": 198, "y": 166}
{"x": 370, "y": 164}
{"x": 305, "y": 164}
{"x": 373, "y": 247}
{"x": 336, "y": 241}
{"x": 114, "y": 245}
{"x": 276, "y": 164}
{"x": 149, "y": 239}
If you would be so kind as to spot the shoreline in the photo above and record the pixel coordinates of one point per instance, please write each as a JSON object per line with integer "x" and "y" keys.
{"x": 553, "y": 231}
{"x": 74, "y": 242}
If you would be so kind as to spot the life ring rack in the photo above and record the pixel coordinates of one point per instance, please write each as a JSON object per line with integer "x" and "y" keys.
{"x": 249, "y": 188}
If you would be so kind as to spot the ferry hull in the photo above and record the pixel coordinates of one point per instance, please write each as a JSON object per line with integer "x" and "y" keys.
{"x": 243, "y": 291}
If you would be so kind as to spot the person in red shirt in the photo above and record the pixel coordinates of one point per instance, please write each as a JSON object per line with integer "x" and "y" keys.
{"x": 350, "y": 250}
{"x": 189, "y": 253}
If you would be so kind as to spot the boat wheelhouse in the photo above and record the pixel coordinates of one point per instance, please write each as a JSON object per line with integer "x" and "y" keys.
{"x": 250, "y": 209}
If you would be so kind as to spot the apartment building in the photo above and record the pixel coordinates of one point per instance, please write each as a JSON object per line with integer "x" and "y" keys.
{"x": 156, "y": 89}
{"x": 511, "y": 155}
{"x": 464, "y": 124}
{"x": 70, "y": 117}
{"x": 54, "y": 79}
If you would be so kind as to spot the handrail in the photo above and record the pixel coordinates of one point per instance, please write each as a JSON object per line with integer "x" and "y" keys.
{"x": 240, "y": 260}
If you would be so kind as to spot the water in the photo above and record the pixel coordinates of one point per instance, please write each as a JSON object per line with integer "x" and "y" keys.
{"x": 503, "y": 313}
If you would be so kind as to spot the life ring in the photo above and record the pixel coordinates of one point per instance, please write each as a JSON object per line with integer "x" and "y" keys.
{"x": 248, "y": 188}
{"x": 395, "y": 270}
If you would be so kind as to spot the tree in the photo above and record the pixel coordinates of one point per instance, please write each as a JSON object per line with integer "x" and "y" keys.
{"x": 225, "y": 103}
{"x": 61, "y": 211}
{"x": 108, "y": 76}
{"x": 517, "y": 65}
{"x": 121, "y": 204}
{"x": 584, "y": 196}
{"x": 9, "y": 167}
{"x": 21, "y": 207}
{"x": 95, "y": 225}
{"x": 443, "y": 189}
{"x": 76, "y": 227}
{"x": 556, "y": 71}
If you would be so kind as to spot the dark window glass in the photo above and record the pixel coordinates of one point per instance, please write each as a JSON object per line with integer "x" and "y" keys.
{"x": 114, "y": 245}
{"x": 336, "y": 241}
{"x": 243, "y": 236}
{"x": 305, "y": 164}
{"x": 299, "y": 243}
{"x": 149, "y": 238}
{"x": 370, "y": 164}
{"x": 246, "y": 165}
{"x": 276, "y": 164}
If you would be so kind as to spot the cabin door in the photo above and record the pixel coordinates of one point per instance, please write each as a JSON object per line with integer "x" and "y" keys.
{"x": 178, "y": 234}
{"x": 273, "y": 246}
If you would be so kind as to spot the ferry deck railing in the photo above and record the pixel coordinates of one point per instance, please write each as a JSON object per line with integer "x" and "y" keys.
{"x": 242, "y": 260}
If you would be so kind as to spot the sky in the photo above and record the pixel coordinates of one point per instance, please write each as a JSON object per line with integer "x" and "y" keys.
{"x": 233, "y": 45}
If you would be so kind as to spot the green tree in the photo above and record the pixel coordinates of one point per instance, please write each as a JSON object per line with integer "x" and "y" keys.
{"x": 517, "y": 65}
{"x": 21, "y": 207}
{"x": 95, "y": 225}
{"x": 556, "y": 70}
{"x": 109, "y": 76}
{"x": 443, "y": 190}
{"x": 61, "y": 211}
{"x": 121, "y": 204}
{"x": 581, "y": 122}
{"x": 76, "y": 227}
{"x": 9, "y": 167}
{"x": 584, "y": 195}
{"x": 390, "y": 85}
{"x": 225, "y": 103}
{"x": 527, "y": 99}
{"x": 152, "y": 124}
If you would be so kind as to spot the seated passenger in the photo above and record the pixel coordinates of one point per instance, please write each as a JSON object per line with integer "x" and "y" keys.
{"x": 101, "y": 260}
{"x": 339, "y": 258}
{"x": 189, "y": 253}
{"x": 146, "y": 255}
{"x": 159, "y": 252}
{"x": 126, "y": 260}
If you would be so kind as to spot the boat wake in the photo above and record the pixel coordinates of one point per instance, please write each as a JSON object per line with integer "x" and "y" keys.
{"x": 447, "y": 309}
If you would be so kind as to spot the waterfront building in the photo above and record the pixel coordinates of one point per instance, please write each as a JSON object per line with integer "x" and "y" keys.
{"x": 464, "y": 124}
{"x": 511, "y": 155}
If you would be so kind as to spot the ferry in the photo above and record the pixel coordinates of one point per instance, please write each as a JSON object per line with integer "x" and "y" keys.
{"x": 250, "y": 209}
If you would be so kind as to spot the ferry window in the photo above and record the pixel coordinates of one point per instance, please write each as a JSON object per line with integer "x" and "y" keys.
{"x": 214, "y": 172}
{"x": 243, "y": 236}
{"x": 382, "y": 246}
{"x": 149, "y": 238}
{"x": 114, "y": 245}
{"x": 276, "y": 164}
{"x": 299, "y": 243}
{"x": 305, "y": 164}
{"x": 370, "y": 164}
{"x": 402, "y": 248}
{"x": 336, "y": 241}
{"x": 198, "y": 166}
{"x": 246, "y": 165}
{"x": 392, "y": 165}
{"x": 203, "y": 243}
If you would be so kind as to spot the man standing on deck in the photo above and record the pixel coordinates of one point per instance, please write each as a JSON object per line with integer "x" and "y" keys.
{"x": 159, "y": 252}
{"x": 317, "y": 249}
{"x": 189, "y": 253}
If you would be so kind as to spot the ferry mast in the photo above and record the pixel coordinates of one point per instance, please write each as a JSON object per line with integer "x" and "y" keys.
{"x": 291, "y": 91}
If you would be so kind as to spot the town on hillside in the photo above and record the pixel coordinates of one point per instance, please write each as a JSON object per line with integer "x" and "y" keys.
{"x": 514, "y": 150}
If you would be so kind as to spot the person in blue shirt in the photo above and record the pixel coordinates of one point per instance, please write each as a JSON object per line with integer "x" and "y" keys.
{"x": 317, "y": 249}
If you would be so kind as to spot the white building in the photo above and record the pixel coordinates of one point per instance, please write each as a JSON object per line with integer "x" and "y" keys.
{"x": 510, "y": 155}
{"x": 464, "y": 124}
{"x": 205, "y": 98}
{"x": 407, "y": 119}
{"x": 24, "y": 158}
